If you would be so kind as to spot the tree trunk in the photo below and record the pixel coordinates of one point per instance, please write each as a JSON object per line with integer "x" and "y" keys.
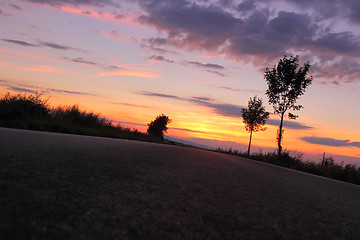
{"x": 280, "y": 133}
{"x": 248, "y": 153}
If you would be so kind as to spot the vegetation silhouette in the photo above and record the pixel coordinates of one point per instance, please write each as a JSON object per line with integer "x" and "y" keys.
{"x": 286, "y": 83}
{"x": 32, "y": 112}
{"x": 159, "y": 126}
{"x": 254, "y": 117}
{"x": 326, "y": 167}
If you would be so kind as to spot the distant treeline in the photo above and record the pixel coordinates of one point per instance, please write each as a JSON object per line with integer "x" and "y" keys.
{"x": 34, "y": 113}
{"x": 326, "y": 167}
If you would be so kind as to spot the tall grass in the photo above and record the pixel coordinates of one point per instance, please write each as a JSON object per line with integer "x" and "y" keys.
{"x": 294, "y": 160}
{"x": 32, "y": 112}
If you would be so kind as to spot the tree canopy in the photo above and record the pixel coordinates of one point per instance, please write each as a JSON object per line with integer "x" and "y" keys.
{"x": 158, "y": 126}
{"x": 286, "y": 83}
{"x": 254, "y": 117}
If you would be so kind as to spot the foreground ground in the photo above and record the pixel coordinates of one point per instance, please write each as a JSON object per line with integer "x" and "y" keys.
{"x": 58, "y": 186}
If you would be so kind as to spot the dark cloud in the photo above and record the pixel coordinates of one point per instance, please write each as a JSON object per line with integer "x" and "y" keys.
{"x": 205, "y": 65}
{"x": 324, "y": 9}
{"x": 19, "y": 89}
{"x": 288, "y": 124}
{"x": 69, "y": 92}
{"x": 22, "y": 43}
{"x": 160, "y": 59}
{"x": 151, "y": 94}
{"x": 206, "y": 99}
{"x": 258, "y": 34}
{"x": 216, "y": 73}
{"x": 340, "y": 43}
{"x": 82, "y": 61}
{"x": 330, "y": 142}
{"x": 187, "y": 130}
{"x": 246, "y": 6}
{"x": 188, "y": 25}
{"x": 43, "y": 44}
{"x": 223, "y": 109}
{"x": 86, "y": 12}
{"x": 157, "y": 49}
{"x": 56, "y": 46}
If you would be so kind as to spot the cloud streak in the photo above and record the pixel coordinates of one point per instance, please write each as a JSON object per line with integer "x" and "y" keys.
{"x": 206, "y": 65}
{"x": 43, "y": 44}
{"x": 22, "y": 43}
{"x": 330, "y": 142}
{"x": 18, "y": 87}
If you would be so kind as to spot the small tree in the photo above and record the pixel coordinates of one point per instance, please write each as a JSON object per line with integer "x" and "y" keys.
{"x": 254, "y": 117}
{"x": 286, "y": 84}
{"x": 158, "y": 126}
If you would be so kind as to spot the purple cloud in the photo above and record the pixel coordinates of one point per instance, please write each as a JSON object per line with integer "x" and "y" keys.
{"x": 288, "y": 124}
{"x": 257, "y": 34}
{"x": 216, "y": 73}
{"x": 57, "y": 46}
{"x": 160, "y": 59}
{"x": 206, "y": 65}
{"x": 81, "y": 60}
{"x": 330, "y": 142}
{"x": 22, "y": 43}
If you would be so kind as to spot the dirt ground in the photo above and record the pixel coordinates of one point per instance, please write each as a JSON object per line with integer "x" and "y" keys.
{"x": 59, "y": 186}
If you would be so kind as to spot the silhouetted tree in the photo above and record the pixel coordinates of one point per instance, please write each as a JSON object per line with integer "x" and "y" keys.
{"x": 286, "y": 84}
{"x": 158, "y": 126}
{"x": 254, "y": 117}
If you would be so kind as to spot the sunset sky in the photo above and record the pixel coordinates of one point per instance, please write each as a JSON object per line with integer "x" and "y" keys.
{"x": 199, "y": 62}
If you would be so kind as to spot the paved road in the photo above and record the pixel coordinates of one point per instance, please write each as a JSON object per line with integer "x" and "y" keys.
{"x": 58, "y": 186}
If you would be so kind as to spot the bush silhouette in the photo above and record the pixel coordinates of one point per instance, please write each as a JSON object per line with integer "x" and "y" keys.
{"x": 158, "y": 126}
{"x": 22, "y": 107}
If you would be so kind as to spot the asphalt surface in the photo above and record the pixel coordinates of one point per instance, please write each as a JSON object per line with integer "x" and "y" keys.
{"x": 59, "y": 186}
